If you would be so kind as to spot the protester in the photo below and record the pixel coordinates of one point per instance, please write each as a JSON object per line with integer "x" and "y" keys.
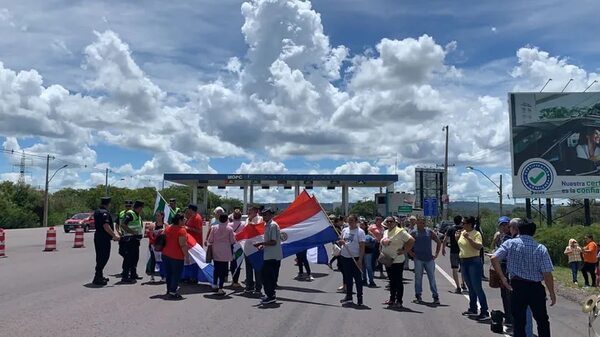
{"x": 215, "y": 220}
{"x": 272, "y": 256}
{"x": 132, "y": 229}
{"x": 528, "y": 264}
{"x": 102, "y": 237}
{"x": 302, "y": 260}
{"x": 237, "y": 226}
{"x": 409, "y": 226}
{"x": 376, "y": 230}
{"x": 220, "y": 240}
{"x": 573, "y": 253}
{"x": 352, "y": 241}
{"x": 253, "y": 275}
{"x": 395, "y": 243}
{"x": 503, "y": 236}
{"x": 424, "y": 259}
{"x": 370, "y": 244}
{"x": 590, "y": 252}
{"x": 470, "y": 242}
{"x": 154, "y": 257}
{"x": 450, "y": 236}
{"x": 174, "y": 253}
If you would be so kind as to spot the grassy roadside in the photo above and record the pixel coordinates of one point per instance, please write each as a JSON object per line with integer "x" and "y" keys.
{"x": 565, "y": 287}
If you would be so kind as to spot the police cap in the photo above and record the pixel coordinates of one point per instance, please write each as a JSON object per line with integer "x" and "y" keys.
{"x": 138, "y": 204}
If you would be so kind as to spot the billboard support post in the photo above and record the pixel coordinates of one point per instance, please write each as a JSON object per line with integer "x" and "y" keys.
{"x": 528, "y": 208}
{"x": 549, "y": 212}
{"x": 586, "y": 208}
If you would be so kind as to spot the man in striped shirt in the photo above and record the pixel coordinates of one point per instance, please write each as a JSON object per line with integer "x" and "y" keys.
{"x": 528, "y": 264}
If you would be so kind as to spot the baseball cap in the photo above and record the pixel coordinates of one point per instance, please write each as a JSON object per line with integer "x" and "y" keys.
{"x": 503, "y": 219}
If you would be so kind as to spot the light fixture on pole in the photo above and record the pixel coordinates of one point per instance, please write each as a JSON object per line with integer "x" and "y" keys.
{"x": 544, "y": 87}
{"x": 493, "y": 182}
{"x": 45, "y": 219}
{"x": 566, "y": 85}
{"x": 589, "y": 86}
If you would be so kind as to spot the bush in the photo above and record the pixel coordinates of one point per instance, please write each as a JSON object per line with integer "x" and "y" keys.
{"x": 556, "y": 239}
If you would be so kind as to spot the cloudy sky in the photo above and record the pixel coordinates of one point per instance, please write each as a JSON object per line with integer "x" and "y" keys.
{"x": 273, "y": 86}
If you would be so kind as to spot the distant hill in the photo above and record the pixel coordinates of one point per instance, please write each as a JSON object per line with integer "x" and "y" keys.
{"x": 470, "y": 207}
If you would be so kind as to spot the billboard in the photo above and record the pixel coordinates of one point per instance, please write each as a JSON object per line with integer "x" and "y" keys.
{"x": 429, "y": 184}
{"x": 555, "y": 145}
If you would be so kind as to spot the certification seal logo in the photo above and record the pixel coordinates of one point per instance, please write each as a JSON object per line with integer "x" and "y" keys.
{"x": 537, "y": 175}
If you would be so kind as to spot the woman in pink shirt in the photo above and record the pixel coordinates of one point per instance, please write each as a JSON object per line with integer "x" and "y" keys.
{"x": 220, "y": 240}
{"x": 376, "y": 230}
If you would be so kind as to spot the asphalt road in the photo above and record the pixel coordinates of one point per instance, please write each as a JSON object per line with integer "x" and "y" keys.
{"x": 48, "y": 294}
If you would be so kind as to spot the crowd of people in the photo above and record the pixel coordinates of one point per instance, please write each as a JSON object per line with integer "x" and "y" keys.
{"x": 363, "y": 249}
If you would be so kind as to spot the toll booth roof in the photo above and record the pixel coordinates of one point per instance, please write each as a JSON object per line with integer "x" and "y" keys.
{"x": 316, "y": 180}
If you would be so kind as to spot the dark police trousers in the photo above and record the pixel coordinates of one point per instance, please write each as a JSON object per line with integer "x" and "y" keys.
{"x": 102, "y": 247}
{"x": 129, "y": 248}
{"x": 529, "y": 294}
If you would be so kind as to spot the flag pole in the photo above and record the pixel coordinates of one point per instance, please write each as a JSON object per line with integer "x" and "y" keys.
{"x": 336, "y": 230}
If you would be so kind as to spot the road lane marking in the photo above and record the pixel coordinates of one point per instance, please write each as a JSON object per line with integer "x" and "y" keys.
{"x": 451, "y": 280}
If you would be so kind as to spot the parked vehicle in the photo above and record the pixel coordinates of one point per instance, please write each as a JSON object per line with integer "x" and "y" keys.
{"x": 85, "y": 220}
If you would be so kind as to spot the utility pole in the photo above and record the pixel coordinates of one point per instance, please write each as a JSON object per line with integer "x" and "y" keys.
{"x": 445, "y": 196}
{"x": 106, "y": 184}
{"x": 45, "y": 221}
{"x": 500, "y": 194}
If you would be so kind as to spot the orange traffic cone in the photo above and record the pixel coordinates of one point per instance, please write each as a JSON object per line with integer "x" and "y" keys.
{"x": 78, "y": 242}
{"x": 2, "y": 238}
{"x": 50, "y": 240}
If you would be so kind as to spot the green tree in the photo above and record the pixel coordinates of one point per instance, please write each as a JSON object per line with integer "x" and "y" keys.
{"x": 364, "y": 208}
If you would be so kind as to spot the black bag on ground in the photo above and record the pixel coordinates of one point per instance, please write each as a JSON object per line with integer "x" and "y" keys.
{"x": 497, "y": 324}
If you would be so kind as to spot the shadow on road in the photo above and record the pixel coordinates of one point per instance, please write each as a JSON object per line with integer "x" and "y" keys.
{"x": 404, "y": 309}
{"x": 301, "y": 290}
{"x": 430, "y": 304}
{"x": 165, "y": 297}
{"x": 218, "y": 297}
{"x": 189, "y": 289}
{"x": 283, "y": 299}
{"x": 319, "y": 275}
{"x": 268, "y": 306}
{"x": 94, "y": 286}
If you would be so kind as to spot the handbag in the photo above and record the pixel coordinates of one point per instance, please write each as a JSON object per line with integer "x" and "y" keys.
{"x": 385, "y": 259}
{"x": 209, "y": 254}
{"x": 495, "y": 281}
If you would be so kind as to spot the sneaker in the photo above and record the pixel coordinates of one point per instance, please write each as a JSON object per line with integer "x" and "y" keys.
{"x": 418, "y": 300}
{"x": 346, "y": 300}
{"x": 136, "y": 277}
{"x": 397, "y": 305}
{"x": 221, "y": 292}
{"x": 128, "y": 280}
{"x": 106, "y": 279}
{"x": 268, "y": 300}
{"x": 470, "y": 313}
{"x": 484, "y": 315}
{"x": 310, "y": 278}
{"x": 174, "y": 296}
{"x": 236, "y": 285}
{"x": 341, "y": 289}
{"x": 99, "y": 282}
{"x": 372, "y": 285}
{"x": 152, "y": 279}
{"x": 458, "y": 291}
{"x": 299, "y": 277}
{"x": 248, "y": 291}
{"x": 436, "y": 300}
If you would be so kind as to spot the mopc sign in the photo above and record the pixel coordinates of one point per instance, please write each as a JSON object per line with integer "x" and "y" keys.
{"x": 555, "y": 145}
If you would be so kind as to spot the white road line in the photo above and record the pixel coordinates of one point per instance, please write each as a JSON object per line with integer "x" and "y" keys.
{"x": 451, "y": 280}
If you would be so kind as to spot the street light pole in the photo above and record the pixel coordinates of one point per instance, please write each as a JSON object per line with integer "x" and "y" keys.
{"x": 106, "y": 184}
{"x": 499, "y": 187}
{"x": 445, "y": 197}
{"x": 45, "y": 219}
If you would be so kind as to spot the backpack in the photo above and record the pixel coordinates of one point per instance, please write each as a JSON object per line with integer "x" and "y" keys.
{"x": 160, "y": 242}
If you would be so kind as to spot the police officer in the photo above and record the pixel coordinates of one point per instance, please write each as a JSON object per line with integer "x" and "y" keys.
{"x": 120, "y": 220}
{"x": 132, "y": 235}
{"x": 104, "y": 233}
{"x": 173, "y": 206}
